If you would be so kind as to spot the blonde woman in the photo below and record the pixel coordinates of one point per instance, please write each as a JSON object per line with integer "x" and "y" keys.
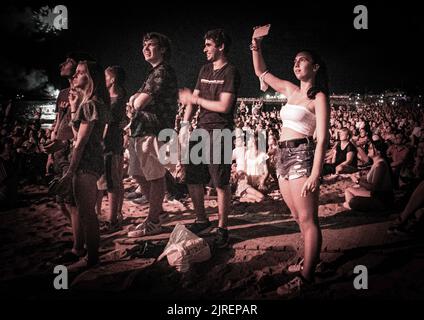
{"x": 89, "y": 101}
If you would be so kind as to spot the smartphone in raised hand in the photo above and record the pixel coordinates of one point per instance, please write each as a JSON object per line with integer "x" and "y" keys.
{"x": 262, "y": 31}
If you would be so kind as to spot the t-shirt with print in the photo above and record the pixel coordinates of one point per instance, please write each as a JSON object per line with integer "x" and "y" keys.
{"x": 161, "y": 85}
{"x": 211, "y": 83}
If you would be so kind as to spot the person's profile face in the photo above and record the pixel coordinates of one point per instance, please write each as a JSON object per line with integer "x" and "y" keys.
{"x": 303, "y": 66}
{"x": 371, "y": 151}
{"x": 81, "y": 77}
{"x": 211, "y": 50}
{"x": 109, "y": 79}
{"x": 67, "y": 68}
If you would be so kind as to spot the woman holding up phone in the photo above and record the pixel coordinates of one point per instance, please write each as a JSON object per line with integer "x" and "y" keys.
{"x": 301, "y": 150}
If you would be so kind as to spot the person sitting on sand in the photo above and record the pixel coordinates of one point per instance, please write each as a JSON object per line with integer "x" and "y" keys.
{"x": 376, "y": 191}
{"x": 245, "y": 190}
{"x": 239, "y": 154}
{"x": 256, "y": 164}
{"x": 345, "y": 156}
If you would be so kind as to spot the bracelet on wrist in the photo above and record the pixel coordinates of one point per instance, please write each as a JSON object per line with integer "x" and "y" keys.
{"x": 254, "y": 47}
{"x": 261, "y": 77}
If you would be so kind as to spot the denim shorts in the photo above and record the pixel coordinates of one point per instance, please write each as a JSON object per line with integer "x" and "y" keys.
{"x": 294, "y": 163}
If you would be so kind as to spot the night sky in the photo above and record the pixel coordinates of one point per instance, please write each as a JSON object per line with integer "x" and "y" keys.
{"x": 386, "y": 56}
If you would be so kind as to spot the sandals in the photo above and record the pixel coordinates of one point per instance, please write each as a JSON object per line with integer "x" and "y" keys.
{"x": 296, "y": 267}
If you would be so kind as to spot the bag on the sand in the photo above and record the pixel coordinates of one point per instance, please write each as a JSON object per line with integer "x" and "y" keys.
{"x": 185, "y": 248}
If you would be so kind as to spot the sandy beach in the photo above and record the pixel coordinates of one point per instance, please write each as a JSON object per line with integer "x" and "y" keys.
{"x": 264, "y": 241}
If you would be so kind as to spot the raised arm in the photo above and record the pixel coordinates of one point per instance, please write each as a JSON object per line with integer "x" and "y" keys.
{"x": 282, "y": 86}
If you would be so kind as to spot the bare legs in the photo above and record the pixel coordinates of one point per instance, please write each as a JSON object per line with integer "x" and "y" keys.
{"x": 224, "y": 203}
{"x": 415, "y": 202}
{"x": 85, "y": 185}
{"x": 77, "y": 230}
{"x": 305, "y": 212}
{"x": 155, "y": 192}
{"x": 115, "y": 198}
{"x": 354, "y": 192}
{"x": 197, "y": 196}
{"x": 253, "y": 195}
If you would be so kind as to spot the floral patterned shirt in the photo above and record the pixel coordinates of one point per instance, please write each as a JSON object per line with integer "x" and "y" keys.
{"x": 161, "y": 85}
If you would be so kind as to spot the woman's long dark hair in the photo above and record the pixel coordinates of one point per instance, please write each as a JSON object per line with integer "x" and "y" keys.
{"x": 321, "y": 78}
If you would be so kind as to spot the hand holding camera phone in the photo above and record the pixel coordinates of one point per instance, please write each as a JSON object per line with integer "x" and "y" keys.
{"x": 261, "y": 31}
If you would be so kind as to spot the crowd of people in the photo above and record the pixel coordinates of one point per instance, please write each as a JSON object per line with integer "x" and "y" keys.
{"x": 99, "y": 128}
{"x": 21, "y": 154}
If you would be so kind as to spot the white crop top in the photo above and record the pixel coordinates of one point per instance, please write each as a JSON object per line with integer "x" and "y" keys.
{"x": 298, "y": 118}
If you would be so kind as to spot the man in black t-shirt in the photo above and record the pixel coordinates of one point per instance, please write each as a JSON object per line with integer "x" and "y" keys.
{"x": 216, "y": 95}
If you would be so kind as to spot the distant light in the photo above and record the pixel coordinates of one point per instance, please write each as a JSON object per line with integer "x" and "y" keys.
{"x": 267, "y": 96}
